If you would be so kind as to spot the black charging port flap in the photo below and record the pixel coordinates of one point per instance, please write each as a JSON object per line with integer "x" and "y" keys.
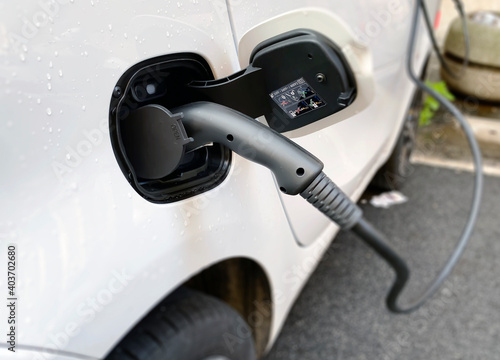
{"x": 306, "y": 77}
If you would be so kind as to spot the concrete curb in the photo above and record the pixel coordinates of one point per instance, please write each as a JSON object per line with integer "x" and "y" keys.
{"x": 445, "y": 154}
{"x": 489, "y": 168}
{"x": 486, "y": 130}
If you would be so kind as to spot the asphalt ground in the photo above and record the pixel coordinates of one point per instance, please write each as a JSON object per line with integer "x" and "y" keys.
{"x": 341, "y": 314}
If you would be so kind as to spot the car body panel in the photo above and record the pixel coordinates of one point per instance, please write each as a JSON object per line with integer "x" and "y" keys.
{"x": 80, "y": 228}
{"x": 353, "y": 149}
{"x": 94, "y": 256}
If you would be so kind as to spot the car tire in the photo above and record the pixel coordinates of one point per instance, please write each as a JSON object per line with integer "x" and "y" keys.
{"x": 188, "y": 325}
{"x": 393, "y": 174}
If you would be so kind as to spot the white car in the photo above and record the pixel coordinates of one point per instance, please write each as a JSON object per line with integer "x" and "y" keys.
{"x": 207, "y": 262}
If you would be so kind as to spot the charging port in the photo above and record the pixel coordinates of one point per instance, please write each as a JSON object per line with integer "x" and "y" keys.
{"x": 163, "y": 81}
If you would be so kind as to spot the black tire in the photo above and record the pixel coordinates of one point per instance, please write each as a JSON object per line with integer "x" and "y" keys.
{"x": 393, "y": 174}
{"x": 188, "y": 325}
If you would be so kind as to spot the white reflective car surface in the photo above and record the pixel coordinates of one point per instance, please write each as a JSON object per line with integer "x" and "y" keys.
{"x": 93, "y": 255}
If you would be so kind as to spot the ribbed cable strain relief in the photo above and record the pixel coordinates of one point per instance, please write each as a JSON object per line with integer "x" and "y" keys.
{"x": 331, "y": 201}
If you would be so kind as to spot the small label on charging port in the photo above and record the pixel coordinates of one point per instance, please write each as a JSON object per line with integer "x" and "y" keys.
{"x": 297, "y": 98}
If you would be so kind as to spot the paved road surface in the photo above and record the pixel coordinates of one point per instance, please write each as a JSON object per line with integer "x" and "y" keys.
{"x": 341, "y": 315}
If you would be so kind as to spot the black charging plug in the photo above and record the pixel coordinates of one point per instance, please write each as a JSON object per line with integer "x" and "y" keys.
{"x": 156, "y": 139}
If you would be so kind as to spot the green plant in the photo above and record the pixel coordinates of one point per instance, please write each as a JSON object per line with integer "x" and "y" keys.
{"x": 431, "y": 105}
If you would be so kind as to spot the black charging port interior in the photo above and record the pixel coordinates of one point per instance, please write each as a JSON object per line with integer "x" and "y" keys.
{"x": 162, "y": 81}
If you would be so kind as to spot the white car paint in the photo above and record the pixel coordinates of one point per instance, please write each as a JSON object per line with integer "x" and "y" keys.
{"x": 93, "y": 255}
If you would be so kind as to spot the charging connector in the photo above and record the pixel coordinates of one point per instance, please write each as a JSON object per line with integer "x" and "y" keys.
{"x": 191, "y": 126}
{"x": 294, "y": 167}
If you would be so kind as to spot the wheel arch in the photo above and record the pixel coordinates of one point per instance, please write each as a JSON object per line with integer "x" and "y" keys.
{"x": 243, "y": 284}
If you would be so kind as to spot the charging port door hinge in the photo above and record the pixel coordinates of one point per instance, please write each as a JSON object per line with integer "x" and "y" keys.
{"x": 244, "y": 91}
